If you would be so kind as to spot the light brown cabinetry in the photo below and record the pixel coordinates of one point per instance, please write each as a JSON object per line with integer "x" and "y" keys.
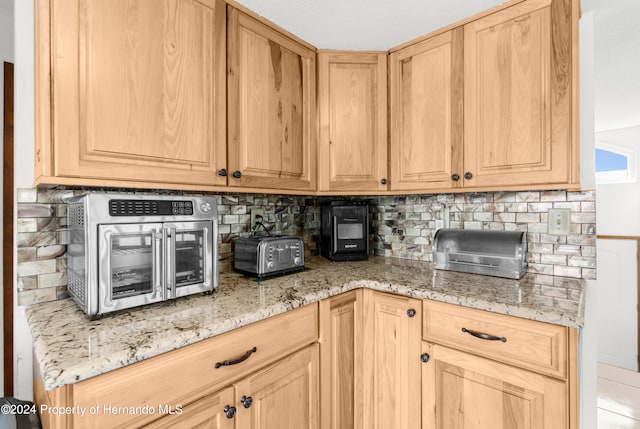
{"x": 215, "y": 411}
{"x": 271, "y": 92}
{"x": 485, "y": 370}
{"x": 426, "y": 82}
{"x": 491, "y": 104}
{"x": 352, "y": 99}
{"x": 391, "y": 363}
{"x": 196, "y": 372}
{"x": 130, "y": 91}
{"x": 519, "y": 95}
{"x": 464, "y": 391}
{"x": 283, "y": 396}
{"x": 341, "y": 361}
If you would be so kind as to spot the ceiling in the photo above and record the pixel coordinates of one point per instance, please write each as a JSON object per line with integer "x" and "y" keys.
{"x": 382, "y": 24}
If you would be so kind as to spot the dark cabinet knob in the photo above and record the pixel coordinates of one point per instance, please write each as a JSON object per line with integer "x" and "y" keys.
{"x": 424, "y": 357}
{"x": 455, "y": 177}
{"x": 468, "y": 175}
{"x": 230, "y": 412}
{"x": 222, "y": 172}
{"x": 237, "y": 174}
{"x": 411, "y": 312}
{"x": 383, "y": 181}
{"x": 246, "y": 401}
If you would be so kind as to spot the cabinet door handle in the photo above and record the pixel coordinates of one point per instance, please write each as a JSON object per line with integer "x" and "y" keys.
{"x": 239, "y": 359}
{"x": 222, "y": 172}
{"x": 411, "y": 312}
{"x": 468, "y": 175}
{"x": 383, "y": 181}
{"x": 484, "y": 336}
{"x": 455, "y": 177}
{"x": 424, "y": 357}
{"x": 246, "y": 401}
{"x": 229, "y": 411}
{"x": 237, "y": 174}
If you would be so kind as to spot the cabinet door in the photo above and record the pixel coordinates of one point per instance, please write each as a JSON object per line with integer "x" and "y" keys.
{"x": 463, "y": 391}
{"x": 214, "y": 411}
{"x": 271, "y": 94}
{"x": 137, "y": 90}
{"x": 391, "y": 361}
{"x": 352, "y": 95}
{"x": 518, "y": 96}
{"x": 341, "y": 361}
{"x": 426, "y": 113}
{"x": 284, "y": 395}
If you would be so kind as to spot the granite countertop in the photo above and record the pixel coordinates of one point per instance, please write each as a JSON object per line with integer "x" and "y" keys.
{"x": 68, "y": 347}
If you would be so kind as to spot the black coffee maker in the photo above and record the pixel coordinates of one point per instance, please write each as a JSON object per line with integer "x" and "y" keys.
{"x": 344, "y": 230}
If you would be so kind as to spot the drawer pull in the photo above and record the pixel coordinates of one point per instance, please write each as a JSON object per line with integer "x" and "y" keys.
{"x": 234, "y": 361}
{"x": 484, "y": 336}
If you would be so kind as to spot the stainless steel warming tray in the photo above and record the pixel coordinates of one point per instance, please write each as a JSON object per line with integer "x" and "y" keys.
{"x": 493, "y": 253}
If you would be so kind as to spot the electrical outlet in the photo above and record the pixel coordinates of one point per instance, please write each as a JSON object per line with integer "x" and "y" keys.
{"x": 254, "y": 213}
{"x": 559, "y": 221}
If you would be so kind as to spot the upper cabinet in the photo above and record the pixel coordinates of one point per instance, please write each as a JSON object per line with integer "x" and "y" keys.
{"x": 352, "y": 99}
{"x": 271, "y": 94}
{"x": 520, "y": 96}
{"x": 130, "y": 91}
{"x": 426, "y": 81}
{"x": 489, "y": 105}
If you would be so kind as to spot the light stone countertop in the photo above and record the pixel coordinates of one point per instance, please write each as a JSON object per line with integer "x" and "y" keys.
{"x": 68, "y": 347}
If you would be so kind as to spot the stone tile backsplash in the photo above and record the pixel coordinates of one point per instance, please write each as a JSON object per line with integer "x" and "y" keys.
{"x": 42, "y": 235}
{"x": 401, "y": 227}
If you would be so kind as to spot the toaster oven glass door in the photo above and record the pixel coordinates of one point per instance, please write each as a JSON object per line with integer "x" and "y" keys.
{"x": 130, "y": 265}
{"x": 190, "y": 253}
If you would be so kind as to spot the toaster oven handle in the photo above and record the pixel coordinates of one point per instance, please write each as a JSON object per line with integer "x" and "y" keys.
{"x": 170, "y": 234}
{"x": 157, "y": 263}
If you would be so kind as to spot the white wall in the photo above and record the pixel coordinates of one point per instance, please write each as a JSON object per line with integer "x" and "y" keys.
{"x": 6, "y": 55}
{"x": 618, "y": 205}
{"x": 23, "y": 162}
{"x": 588, "y": 335}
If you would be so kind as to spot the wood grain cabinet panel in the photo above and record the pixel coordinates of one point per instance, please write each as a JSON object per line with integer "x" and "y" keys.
{"x": 136, "y": 91}
{"x": 538, "y": 346}
{"x": 271, "y": 93}
{"x": 426, "y": 113}
{"x": 341, "y": 361}
{"x": 391, "y": 361}
{"x": 283, "y": 396}
{"x": 519, "y": 98}
{"x": 209, "y": 412}
{"x": 463, "y": 391}
{"x": 352, "y": 99}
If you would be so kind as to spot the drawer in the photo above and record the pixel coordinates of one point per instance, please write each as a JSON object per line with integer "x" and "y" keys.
{"x": 538, "y": 346}
{"x": 181, "y": 376}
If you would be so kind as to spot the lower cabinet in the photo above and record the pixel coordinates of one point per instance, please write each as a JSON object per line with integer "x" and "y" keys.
{"x": 284, "y": 396}
{"x": 215, "y": 411}
{"x": 370, "y": 344}
{"x": 464, "y": 391}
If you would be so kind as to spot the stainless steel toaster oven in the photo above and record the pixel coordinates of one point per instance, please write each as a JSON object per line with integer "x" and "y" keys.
{"x": 269, "y": 256}
{"x": 130, "y": 250}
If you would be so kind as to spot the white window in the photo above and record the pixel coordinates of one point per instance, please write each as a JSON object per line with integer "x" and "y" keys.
{"x": 614, "y": 164}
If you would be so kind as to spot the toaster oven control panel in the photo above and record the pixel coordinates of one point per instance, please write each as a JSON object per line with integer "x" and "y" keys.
{"x": 150, "y": 208}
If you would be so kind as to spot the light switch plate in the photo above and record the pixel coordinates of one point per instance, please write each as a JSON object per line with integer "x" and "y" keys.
{"x": 559, "y": 222}
{"x": 256, "y": 212}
